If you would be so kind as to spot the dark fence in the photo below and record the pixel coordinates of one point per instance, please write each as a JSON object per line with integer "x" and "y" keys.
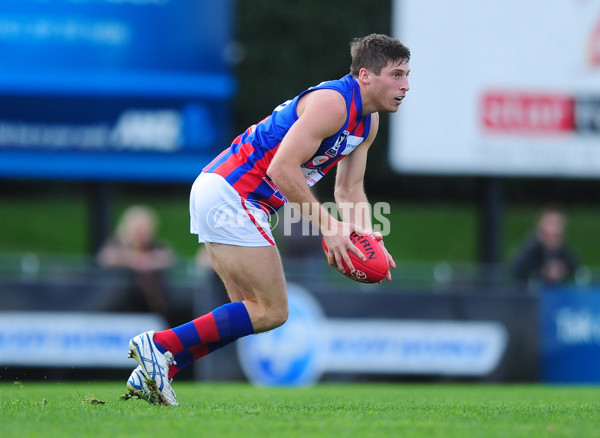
{"x": 433, "y": 322}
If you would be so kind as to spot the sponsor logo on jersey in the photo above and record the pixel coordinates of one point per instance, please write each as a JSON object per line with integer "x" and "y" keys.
{"x": 311, "y": 175}
{"x": 317, "y": 161}
{"x": 352, "y": 143}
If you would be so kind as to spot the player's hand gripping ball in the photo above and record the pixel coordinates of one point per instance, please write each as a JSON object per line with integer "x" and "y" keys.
{"x": 375, "y": 268}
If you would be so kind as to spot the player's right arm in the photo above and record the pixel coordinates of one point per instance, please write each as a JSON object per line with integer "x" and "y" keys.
{"x": 321, "y": 113}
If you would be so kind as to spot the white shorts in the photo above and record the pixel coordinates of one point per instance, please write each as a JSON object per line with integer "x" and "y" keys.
{"x": 218, "y": 214}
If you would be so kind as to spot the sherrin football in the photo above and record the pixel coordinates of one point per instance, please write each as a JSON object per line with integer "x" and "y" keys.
{"x": 375, "y": 268}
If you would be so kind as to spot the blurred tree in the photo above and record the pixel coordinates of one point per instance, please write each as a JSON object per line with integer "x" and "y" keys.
{"x": 290, "y": 45}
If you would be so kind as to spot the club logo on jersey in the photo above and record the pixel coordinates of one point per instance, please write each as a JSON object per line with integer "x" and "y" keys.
{"x": 345, "y": 140}
{"x": 331, "y": 152}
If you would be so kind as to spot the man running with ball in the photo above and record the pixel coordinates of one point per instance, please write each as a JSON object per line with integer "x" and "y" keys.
{"x": 274, "y": 162}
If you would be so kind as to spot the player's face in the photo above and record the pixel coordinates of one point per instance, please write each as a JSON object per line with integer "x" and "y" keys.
{"x": 390, "y": 87}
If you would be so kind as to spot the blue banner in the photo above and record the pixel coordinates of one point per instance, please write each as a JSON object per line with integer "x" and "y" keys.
{"x": 115, "y": 35}
{"x": 114, "y": 89}
{"x": 570, "y": 335}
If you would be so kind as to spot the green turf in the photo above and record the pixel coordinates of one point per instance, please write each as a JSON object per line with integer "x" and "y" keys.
{"x": 327, "y": 410}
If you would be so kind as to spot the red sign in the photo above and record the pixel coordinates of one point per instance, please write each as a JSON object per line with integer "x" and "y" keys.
{"x": 527, "y": 113}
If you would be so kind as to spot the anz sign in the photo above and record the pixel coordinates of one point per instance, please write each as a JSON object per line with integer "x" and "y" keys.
{"x": 89, "y": 90}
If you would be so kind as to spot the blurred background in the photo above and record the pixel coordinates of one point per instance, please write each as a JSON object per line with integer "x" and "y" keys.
{"x": 109, "y": 110}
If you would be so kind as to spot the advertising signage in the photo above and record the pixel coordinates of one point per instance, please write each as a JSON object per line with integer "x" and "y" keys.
{"x": 114, "y": 89}
{"x": 499, "y": 87}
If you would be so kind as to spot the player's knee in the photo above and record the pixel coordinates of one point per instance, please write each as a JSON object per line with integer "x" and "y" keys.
{"x": 268, "y": 318}
{"x": 276, "y": 317}
{"x": 280, "y": 316}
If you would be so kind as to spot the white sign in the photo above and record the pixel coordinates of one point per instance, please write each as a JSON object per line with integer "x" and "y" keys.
{"x": 501, "y": 87}
{"x": 458, "y": 348}
{"x": 71, "y": 338}
{"x": 310, "y": 344}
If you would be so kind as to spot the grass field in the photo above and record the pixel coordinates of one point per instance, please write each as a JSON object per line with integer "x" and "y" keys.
{"x": 30, "y": 409}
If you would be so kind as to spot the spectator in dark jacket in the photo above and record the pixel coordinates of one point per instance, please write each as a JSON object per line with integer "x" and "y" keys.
{"x": 545, "y": 256}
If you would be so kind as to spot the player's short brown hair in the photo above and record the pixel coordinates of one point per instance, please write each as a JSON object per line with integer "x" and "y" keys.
{"x": 375, "y": 52}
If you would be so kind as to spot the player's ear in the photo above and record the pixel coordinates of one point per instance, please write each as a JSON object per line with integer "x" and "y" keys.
{"x": 364, "y": 75}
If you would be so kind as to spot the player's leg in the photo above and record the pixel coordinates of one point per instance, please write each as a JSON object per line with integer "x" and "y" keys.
{"x": 255, "y": 283}
{"x": 254, "y": 276}
{"x": 249, "y": 264}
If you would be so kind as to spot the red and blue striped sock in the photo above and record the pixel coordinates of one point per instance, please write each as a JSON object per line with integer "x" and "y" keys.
{"x": 195, "y": 339}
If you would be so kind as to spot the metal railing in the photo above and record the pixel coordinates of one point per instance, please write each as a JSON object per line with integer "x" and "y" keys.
{"x": 426, "y": 277}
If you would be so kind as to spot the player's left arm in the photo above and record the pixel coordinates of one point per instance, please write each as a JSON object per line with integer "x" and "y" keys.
{"x": 350, "y": 195}
{"x": 349, "y": 192}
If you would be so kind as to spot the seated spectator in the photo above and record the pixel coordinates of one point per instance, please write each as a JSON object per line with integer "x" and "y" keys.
{"x": 135, "y": 249}
{"x": 545, "y": 256}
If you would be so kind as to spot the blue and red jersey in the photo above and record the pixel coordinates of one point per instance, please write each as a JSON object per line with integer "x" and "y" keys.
{"x": 244, "y": 164}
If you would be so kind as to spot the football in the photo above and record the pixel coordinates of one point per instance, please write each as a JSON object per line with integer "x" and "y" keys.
{"x": 375, "y": 268}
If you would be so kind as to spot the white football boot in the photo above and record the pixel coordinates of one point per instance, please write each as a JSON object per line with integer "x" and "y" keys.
{"x": 154, "y": 366}
{"x": 137, "y": 387}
